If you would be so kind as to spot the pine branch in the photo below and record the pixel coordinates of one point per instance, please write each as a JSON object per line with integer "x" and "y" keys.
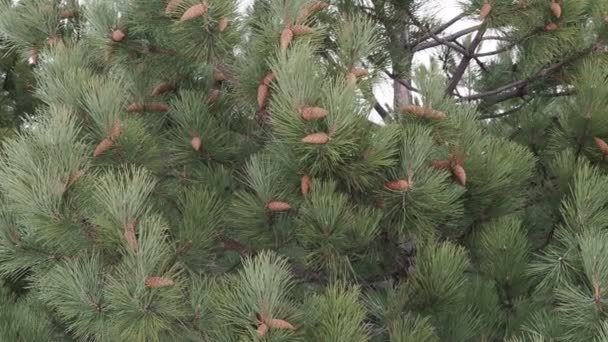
{"x": 520, "y": 84}
{"x": 229, "y": 244}
{"x": 547, "y": 239}
{"x": 508, "y": 46}
{"x": 438, "y": 29}
{"x": 466, "y": 59}
{"x": 475, "y": 58}
{"x": 403, "y": 82}
{"x": 433, "y": 35}
{"x": 380, "y": 110}
{"x": 507, "y": 112}
{"x": 450, "y": 37}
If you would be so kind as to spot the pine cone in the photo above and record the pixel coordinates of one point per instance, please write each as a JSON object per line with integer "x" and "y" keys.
{"x": 317, "y": 6}
{"x": 116, "y": 130}
{"x": 556, "y": 9}
{"x": 163, "y": 88}
{"x": 601, "y": 145}
{"x": 399, "y": 185}
{"x": 459, "y": 174}
{"x": 413, "y": 109}
{"x": 108, "y": 52}
{"x": 485, "y": 10}
{"x": 74, "y": 177}
{"x": 286, "y": 38}
{"x": 268, "y": 79}
{"x": 359, "y": 72}
{"x": 53, "y": 40}
{"x": 310, "y": 9}
{"x": 158, "y": 282}
{"x": 441, "y": 164}
{"x": 264, "y": 116}
{"x": 279, "y": 324}
{"x": 219, "y": 76}
{"x": 196, "y": 143}
{"x": 423, "y": 112}
{"x": 156, "y": 107}
{"x": 136, "y": 108}
{"x": 172, "y": 6}
{"x": 313, "y": 113}
{"x": 275, "y": 206}
{"x": 103, "y": 147}
{"x": 67, "y": 14}
{"x": 305, "y": 185}
{"x": 129, "y": 234}
{"x": 550, "y": 27}
{"x": 351, "y": 79}
{"x": 118, "y": 36}
{"x": 316, "y": 139}
{"x": 262, "y": 95}
{"x": 522, "y": 4}
{"x": 222, "y": 25}
{"x": 262, "y": 330}
{"x": 131, "y": 240}
{"x": 60, "y": 188}
{"x": 194, "y": 12}
{"x": 34, "y": 56}
{"x": 213, "y": 96}
{"x": 301, "y": 30}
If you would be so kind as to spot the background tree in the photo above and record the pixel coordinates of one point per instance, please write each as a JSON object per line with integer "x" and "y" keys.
{"x": 197, "y": 174}
{"x": 16, "y": 100}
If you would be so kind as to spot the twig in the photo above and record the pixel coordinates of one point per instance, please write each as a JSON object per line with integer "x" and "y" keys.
{"x": 439, "y": 40}
{"x": 507, "y": 112}
{"x": 479, "y": 62}
{"x": 403, "y": 82}
{"x": 451, "y": 37}
{"x": 380, "y": 109}
{"x": 518, "y": 85}
{"x": 437, "y": 30}
{"x": 464, "y": 63}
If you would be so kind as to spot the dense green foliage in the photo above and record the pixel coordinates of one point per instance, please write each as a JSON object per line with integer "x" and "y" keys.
{"x": 198, "y": 174}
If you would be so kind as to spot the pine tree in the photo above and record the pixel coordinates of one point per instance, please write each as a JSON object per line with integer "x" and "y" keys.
{"x": 195, "y": 173}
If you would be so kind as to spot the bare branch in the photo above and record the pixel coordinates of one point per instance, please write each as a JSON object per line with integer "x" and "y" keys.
{"x": 439, "y": 40}
{"x": 477, "y": 60}
{"x": 381, "y": 110}
{"x": 437, "y": 30}
{"x": 466, "y": 59}
{"x": 515, "y": 89}
{"x": 507, "y": 112}
{"x": 403, "y": 82}
{"x": 451, "y": 37}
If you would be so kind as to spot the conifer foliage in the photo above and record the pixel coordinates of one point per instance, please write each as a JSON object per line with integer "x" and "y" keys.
{"x": 196, "y": 173}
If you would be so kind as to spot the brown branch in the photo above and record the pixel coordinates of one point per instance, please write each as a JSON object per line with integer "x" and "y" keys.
{"x": 403, "y": 82}
{"x": 508, "y": 46}
{"x": 517, "y": 86}
{"x": 508, "y": 39}
{"x": 451, "y": 37}
{"x": 437, "y": 30}
{"x": 507, "y": 112}
{"x": 495, "y": 52}
{"x": 439, "y": 40}
{"x": 481, "y": 65}
{"x": 464, "y": 63}
{"x": 380, "y": 109}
